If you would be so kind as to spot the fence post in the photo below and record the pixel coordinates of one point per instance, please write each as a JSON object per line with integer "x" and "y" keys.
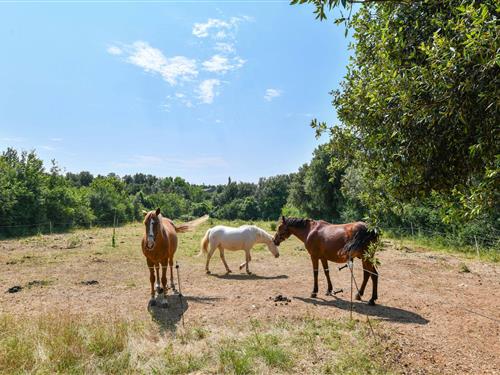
{"x": 50, "y": 226}
{"x": 477, "y": 246}
{"x": 411, "y": 224}
{"x": 113, "y": 242}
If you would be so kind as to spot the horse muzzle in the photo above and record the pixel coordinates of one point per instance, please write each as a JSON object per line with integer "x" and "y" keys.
{"x": 150, "y": 244}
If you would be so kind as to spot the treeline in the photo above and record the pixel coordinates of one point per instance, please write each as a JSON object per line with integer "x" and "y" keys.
{"x": 30, "y": 194}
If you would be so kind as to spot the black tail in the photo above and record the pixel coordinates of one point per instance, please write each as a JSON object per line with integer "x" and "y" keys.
{"x": 361, "y": 238}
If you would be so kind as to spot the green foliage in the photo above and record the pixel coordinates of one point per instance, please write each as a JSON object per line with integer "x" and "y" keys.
{"x": 418, "y": 104}
{"x": 271, "y": 195}
{"x": 315, "y": 189}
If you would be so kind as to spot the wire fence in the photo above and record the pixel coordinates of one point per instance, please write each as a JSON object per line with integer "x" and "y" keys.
{"x": 456, "y": 305}
{"x": 52, "y": 227}
{"x": 489, "y": 238}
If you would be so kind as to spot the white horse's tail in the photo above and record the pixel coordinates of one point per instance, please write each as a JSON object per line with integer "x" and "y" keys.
{"x": 190, "y": 225}
{"x": 204, "y": 243}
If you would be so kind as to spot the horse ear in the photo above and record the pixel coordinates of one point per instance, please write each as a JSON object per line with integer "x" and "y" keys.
{"x": 157, "y": 211}
{"x": 283, "y": 218}
{"x": 144, "y": 212}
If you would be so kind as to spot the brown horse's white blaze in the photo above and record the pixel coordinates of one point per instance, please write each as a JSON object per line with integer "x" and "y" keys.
{"x": 330, "y": 242}
{"x": 159, "y": 244}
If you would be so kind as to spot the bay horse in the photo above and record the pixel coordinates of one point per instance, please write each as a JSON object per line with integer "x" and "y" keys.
{"x": 159, "y": 244}
{"x": 331, "y": 242}
{"x": 242, "y": 238}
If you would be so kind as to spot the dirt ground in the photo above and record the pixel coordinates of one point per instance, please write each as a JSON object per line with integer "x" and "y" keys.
{"x": 435, "y": 318}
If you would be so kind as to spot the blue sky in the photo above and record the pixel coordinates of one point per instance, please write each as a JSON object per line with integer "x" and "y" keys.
{"x": 198, "y": 90}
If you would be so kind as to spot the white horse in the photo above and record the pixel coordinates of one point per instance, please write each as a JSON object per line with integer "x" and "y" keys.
{"x": 242, "y": 238}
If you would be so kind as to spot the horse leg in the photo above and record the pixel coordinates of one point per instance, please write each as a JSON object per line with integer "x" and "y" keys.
{"x": 324, "y": 262}
{"x": 209, "y": 255}
{"x": 248, "y": 258}
{"x": 221, "y": 251}
{"x": 315, "y": 264}
{"x": 372, "y": 271}
{"x": 164, "y": 279}
{"x": 152, "y": 301}
{"x": 171, "y": 264}
{"x": 159, "y": 290}
{"x": 366, "y": 276}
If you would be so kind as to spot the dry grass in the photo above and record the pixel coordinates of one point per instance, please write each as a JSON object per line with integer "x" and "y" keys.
{"x": 64, "y": 343}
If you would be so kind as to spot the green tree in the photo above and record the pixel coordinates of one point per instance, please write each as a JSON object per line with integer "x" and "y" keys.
{"x": 271, "y": 195}
{"x": 419, "y": 105}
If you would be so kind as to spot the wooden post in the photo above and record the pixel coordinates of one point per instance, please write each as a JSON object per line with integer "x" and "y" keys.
{"x": 411, "y": 224}
{"x": 477, "y": 246}
{"x": 50, "y": 226}
{"x": 113, "y": 241}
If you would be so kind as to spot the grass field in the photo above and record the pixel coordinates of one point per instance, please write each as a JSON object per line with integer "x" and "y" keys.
{"x": 57, "y": 324}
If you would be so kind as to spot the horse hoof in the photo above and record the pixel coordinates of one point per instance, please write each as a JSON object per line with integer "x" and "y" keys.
{"x": 358, "y": 297}
{"x": 329, "y": 293}
{"x": 208, "y": 272}
{"x": 249, "y": 273}
{"x": 314, "y": 295}
{"x": 371, "y": 302}
{"x": 159, "y": 291}
{"x": 229, "y": 271}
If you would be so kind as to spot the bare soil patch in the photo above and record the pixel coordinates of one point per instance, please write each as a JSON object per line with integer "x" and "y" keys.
{"x": 432, "y": 316}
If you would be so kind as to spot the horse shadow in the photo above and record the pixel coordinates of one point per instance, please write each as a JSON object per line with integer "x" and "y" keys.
{"x": 168, "y": 316}
{"x": 382, "y": 312}
{"x": 168, "y": 311}
{"x": 244, "y": 276}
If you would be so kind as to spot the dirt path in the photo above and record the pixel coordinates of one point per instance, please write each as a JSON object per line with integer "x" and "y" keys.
{"x": 434, "y": 318}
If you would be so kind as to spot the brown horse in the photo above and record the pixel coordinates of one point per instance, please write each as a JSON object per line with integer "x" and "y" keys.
{"x": 159, "y": 244}
{"x": 330, "y": 242}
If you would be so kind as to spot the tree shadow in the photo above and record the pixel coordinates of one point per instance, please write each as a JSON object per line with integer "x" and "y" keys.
{"x": 384, "y": 313}
{"x": 244, "y": 276}
{"x": 167, "y": 317}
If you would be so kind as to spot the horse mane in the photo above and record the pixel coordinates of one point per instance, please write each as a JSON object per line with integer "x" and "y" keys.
{"x": 263, "y": 232}
{"x": 297, "y": 222}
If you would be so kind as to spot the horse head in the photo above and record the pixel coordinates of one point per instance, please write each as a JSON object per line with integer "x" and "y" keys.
{"x": 282, "y": 233}
{"x": 152, "y": 224}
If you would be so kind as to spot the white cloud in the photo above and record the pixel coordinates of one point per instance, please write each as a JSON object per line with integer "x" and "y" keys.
{"x": 217, "y": 28}
{"x": 200, "y": 162}
{"x": 114, "y": 50}
{"x": 201, "y": 30}
{"x": 48, "y": 148}
{"x": 206, "y": 90}
{"x": 148, "y": 159}
{"x": 221, "y": 64}
{"x": 56, "y": 139}
{"x": 271, "y": 94}
{"x": 14, "y": 139}
{"x": 152, "y": 60}
{"x": 143, "y": 161}
{"x": 224, "y": 47}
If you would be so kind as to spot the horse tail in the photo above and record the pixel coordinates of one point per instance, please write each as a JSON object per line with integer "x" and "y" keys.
{"x": 362, "y": 238}
{"x": 204, "y": 243}
{"x": 190, "y": 225}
